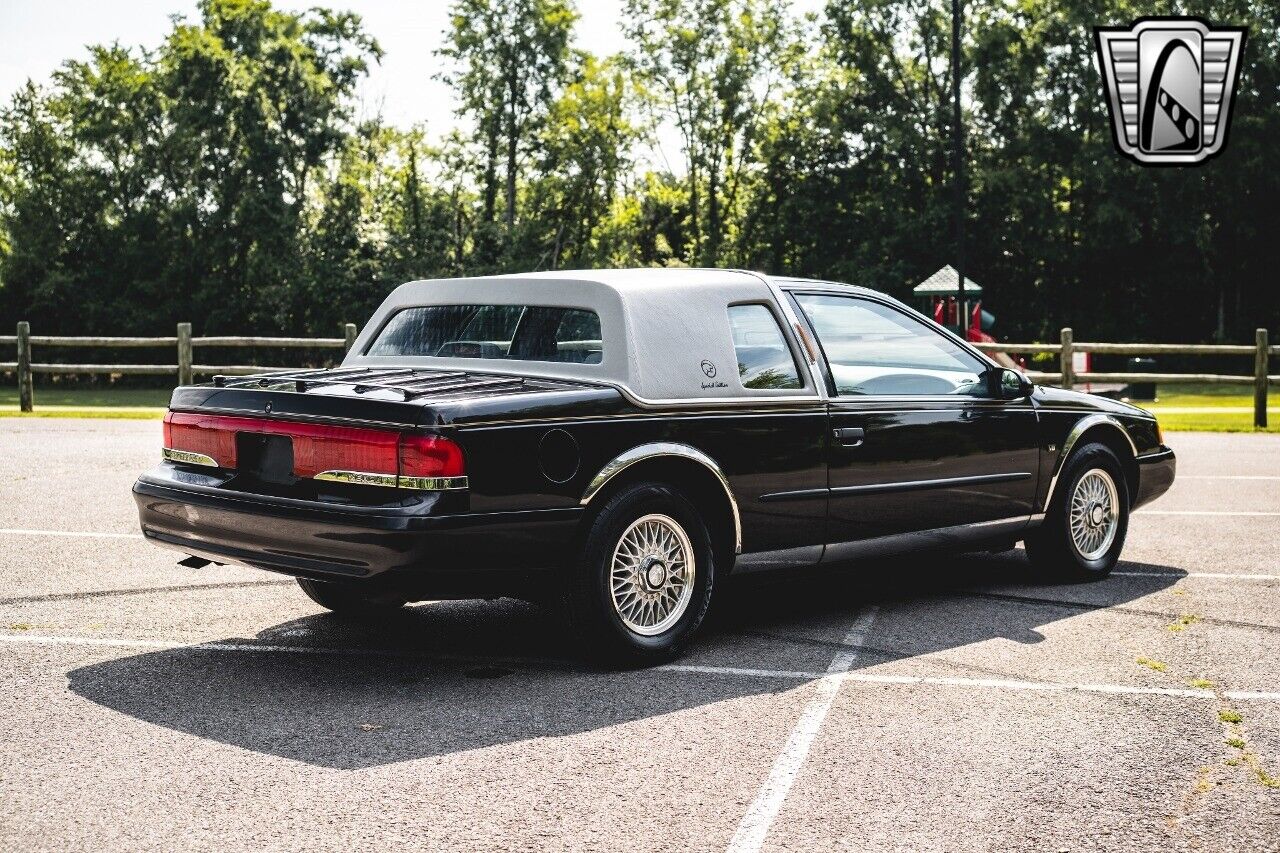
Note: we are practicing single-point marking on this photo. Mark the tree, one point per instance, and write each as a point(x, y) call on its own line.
point(219, 176)
point(141, 182)
point(585, 146)
point(510, 58)
point(259, 98)
point(713, 64)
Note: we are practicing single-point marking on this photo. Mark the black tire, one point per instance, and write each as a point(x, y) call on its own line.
point(349, 600)
point(589, 602)
point(1051, 547)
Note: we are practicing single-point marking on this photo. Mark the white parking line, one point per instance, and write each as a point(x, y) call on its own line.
point(989, 683)
point(86, 534)
point(110, 642)
point(1206, 410)
point(1226, 477)
point(740, 671)
point(828, 678)
point(1199, 512)
point(1227, 575)
point(759, 817)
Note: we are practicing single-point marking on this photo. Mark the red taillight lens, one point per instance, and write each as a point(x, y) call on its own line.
point(317, 448)
point(430, 456)
point(201, 435)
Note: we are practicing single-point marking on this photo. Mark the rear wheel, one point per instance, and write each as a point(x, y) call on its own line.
point(644, 578)
point(349, 600)
point(1084, 529)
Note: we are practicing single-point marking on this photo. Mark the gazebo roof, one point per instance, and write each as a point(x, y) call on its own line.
point(945, 282)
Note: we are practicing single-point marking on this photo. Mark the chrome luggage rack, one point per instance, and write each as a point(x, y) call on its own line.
point(408, 382)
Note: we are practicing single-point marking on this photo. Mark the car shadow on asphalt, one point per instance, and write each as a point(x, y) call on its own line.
point(447, 677)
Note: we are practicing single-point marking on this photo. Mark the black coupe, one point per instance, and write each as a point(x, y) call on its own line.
point(620, 441)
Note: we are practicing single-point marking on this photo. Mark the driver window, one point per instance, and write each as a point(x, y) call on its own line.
point(874, 349)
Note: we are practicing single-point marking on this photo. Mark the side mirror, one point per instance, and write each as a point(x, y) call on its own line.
point(1006, 384)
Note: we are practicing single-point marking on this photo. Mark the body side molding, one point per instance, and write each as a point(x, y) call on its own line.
point(657, 450)
point(1082, 426)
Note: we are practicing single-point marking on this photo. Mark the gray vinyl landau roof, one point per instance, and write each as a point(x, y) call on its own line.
point(659, 327)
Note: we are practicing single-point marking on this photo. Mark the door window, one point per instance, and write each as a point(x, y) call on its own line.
point(764, 359)
point(874, 349)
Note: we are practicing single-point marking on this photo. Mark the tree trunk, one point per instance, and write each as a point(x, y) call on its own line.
point(713, 214)
point(491, 173)
point(512, 149)
point(1222, 312)
point(694, 230)
point(510, 212)
point(415, 205)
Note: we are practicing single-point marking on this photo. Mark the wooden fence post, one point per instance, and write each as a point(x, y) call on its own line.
point(26, 389)
point(350, 332)
point(1066, 360)
point(1260, 380)
point(185, 376)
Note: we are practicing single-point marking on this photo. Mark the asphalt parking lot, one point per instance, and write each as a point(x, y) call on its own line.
point(939, 703)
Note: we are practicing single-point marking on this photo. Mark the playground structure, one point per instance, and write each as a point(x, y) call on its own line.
point(939, 297)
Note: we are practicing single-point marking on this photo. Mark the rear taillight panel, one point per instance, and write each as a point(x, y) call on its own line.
point(361, 455)
point(196, 440)
point(429, 462)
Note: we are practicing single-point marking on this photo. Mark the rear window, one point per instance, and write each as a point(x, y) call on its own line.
point(517, 332)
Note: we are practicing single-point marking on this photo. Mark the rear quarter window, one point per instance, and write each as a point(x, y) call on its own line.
point(764, 360)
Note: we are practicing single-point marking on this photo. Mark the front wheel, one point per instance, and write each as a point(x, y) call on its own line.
point(1084, 530)
point(643, 581)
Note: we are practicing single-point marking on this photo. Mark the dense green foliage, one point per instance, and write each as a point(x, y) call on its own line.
point(221, 178)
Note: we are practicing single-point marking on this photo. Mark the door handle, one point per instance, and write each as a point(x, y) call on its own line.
point(850, 436)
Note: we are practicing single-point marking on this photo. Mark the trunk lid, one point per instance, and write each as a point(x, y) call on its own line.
point(399, 397)
point(348, 435)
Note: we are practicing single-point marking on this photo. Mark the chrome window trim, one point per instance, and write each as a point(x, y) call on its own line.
point(512, 423)
point(187, 457)
point(793, 328)
point(711, 402)
point(364, 478)
point(1082, 426)
point(659, 449)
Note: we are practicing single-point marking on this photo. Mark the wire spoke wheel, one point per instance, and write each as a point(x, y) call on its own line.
point(1094, 514)
point(651, 577)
